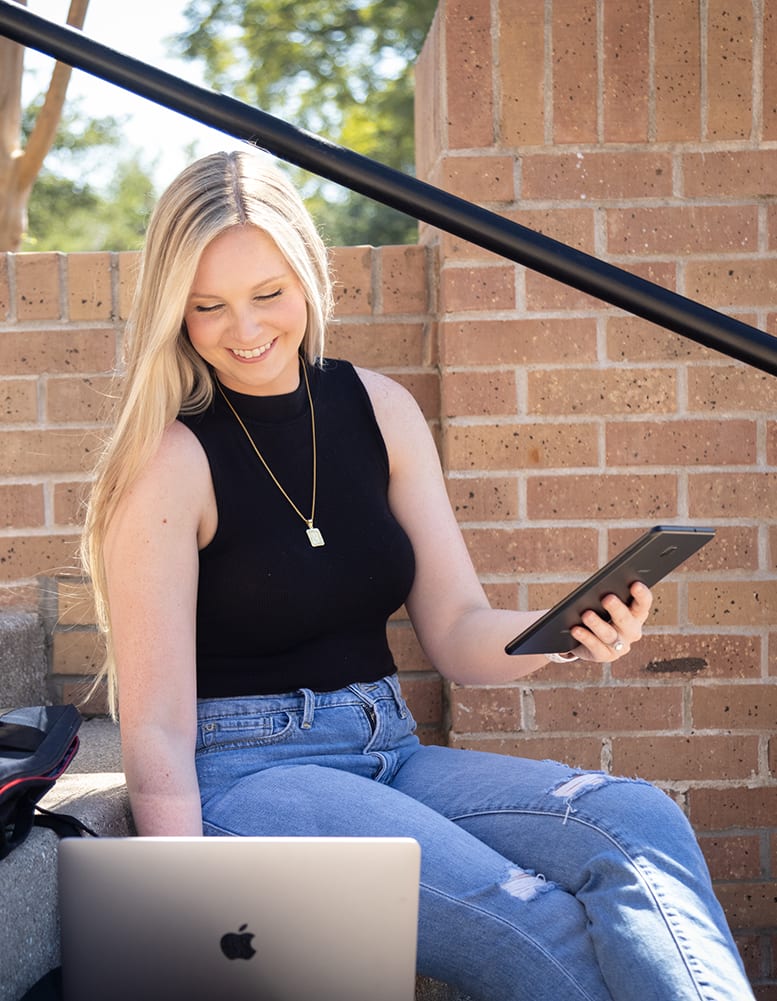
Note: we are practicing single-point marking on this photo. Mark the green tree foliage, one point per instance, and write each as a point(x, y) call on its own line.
point(343, 71)
point(71, 208)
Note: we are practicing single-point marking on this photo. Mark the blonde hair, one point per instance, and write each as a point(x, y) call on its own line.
point(164, 375)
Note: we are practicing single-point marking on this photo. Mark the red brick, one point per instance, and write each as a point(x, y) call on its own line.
point(735, 808)
point(516, 342)
point(735, 856)
point(521, 43)
point(485, 179)
point(75, 602)
point(45, 452)
point(424, 698)
point(681, 443)
point(468, 44)
point(406, 649)
point(38, 286)
point(545, 294)
point(731, 387)
point(89, 286)
point(680, 230)
point(80, 694)
point(571, 226)
point(484, 498)
point(70, 502)
point(79, 400)
point(686, 759)
point(477, 288)
point(21, 505)
point(524, 446)
point(608, 709)
point(600, 391)
point(575, 83)
point(677, 70)
point(473, 393)
point(769, 79)
point(626, 71)
point(595, 495)
point(403, 279)
point(77, 651)
point(729, 70)
point(428, 119)
point(5, 290)
point(732, 603)
point(630, 338)
point(18, 400)
point(731, 495)
point(748, 905)
point(389, 343)
point(26, 556)
point(734, 707)
point(597, 176)
point(128, 264)
point(482, 710)
point(352, 272)
point(57, 352)
point(736, 282)
point(730, 175)
point(577, 752)
point(532, 550)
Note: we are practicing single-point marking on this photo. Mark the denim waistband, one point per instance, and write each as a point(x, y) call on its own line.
point(306, 701)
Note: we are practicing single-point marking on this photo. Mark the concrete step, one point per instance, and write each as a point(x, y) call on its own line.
point(24, 674)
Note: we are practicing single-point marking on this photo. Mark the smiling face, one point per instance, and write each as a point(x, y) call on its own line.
point(246, 313)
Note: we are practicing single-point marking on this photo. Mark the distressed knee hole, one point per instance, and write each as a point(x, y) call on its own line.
point(524, 885)
point(579, 784)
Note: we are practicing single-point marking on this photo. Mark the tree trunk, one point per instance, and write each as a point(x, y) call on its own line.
point(19, 167)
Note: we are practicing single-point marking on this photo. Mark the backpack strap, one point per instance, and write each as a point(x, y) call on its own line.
point(63, 824)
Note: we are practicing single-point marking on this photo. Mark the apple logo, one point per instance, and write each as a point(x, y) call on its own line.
point(237, 945)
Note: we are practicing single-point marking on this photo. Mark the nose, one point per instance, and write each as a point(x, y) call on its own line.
point(247, 326)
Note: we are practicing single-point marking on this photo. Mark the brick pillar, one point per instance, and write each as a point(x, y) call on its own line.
point(644, 134)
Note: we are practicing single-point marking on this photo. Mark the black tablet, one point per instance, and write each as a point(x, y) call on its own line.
point(650, 558)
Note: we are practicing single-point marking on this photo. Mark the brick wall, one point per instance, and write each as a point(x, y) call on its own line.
point(645, 134)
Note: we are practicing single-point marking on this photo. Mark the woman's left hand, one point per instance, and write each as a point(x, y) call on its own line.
point(603, 641)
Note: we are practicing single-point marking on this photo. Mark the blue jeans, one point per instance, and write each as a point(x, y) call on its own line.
point(539, 882)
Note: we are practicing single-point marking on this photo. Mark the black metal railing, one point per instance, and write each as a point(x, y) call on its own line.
point(400, 191)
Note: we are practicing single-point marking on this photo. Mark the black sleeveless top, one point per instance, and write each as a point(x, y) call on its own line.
point(273, 613)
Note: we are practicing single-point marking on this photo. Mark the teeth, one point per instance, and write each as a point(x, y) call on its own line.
point(253, 353)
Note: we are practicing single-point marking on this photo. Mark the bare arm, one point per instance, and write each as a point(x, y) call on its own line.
point(152, 566)
point(459, 631)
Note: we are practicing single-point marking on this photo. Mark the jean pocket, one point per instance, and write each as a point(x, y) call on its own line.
point(234, 732)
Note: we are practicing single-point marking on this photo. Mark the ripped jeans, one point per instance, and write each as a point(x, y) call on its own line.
point(538, 882)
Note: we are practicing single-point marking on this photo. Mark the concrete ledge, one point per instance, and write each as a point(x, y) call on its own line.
point(24, 677)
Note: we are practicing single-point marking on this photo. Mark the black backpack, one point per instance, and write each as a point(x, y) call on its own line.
point(37, 744)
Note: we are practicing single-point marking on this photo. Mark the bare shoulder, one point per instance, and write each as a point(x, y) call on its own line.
point(391, 401)
point(401, 422)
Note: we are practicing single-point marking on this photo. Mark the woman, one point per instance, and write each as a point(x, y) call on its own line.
point(258, 515)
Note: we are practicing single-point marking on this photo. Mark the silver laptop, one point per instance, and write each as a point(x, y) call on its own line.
point(233, 919)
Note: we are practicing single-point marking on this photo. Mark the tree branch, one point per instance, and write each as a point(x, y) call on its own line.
point(45, 128)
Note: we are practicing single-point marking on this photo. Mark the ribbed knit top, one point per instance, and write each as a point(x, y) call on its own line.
point(273, 613)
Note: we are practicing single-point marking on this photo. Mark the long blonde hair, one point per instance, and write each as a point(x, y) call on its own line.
point(164, 375)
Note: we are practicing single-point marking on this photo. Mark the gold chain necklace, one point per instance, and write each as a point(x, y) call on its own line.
point(314, 535)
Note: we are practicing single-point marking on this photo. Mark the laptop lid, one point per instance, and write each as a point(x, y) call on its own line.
point(265, 919)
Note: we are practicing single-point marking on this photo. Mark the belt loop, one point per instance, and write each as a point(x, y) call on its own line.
point(309, 708)
point(393, 682)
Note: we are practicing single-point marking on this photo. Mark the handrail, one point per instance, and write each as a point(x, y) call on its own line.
point(400, 191)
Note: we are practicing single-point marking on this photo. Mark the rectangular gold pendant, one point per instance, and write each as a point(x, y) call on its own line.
point(315, 537)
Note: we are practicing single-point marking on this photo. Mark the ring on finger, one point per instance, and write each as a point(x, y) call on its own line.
point(617, 646)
